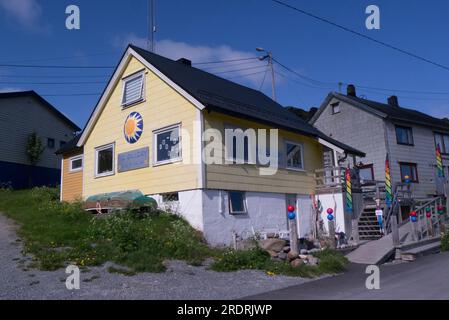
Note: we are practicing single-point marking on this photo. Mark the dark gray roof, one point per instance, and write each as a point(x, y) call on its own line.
point(398, 113)
point(33, 94)
point(70, 146)
point(228, 97)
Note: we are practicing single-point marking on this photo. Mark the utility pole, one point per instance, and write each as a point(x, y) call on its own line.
point(151, 26)
point(269, 56)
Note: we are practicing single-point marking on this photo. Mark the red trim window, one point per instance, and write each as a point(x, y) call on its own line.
point(409, 169)
point(366, 172)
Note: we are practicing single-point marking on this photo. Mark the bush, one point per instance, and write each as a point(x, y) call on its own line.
point(445, 242)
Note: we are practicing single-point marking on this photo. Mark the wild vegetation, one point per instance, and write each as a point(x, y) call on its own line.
point(57, 234)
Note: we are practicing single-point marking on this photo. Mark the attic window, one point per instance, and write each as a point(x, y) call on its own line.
point(133, 89)
point(336, 108)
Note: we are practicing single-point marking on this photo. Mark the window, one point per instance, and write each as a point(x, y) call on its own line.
point(51, 143)
point(295, 158)
point(104, 161)
point(167, 145)
point(443, 141)
point(366, 172)
point(170, 197)
point(133, 89)
point(404, 135)
point(76, 164)
point(62, 144)
point(336, 108)
point(240, 136)
point(237, 202)
point(410, 170)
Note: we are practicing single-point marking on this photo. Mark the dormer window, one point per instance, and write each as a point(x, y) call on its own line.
point(133, 89)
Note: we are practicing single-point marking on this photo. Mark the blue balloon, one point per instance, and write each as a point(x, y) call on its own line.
point(414, 219)
point(330, 217)
point(291, 215)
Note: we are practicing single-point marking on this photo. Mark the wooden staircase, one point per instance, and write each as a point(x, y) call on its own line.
point(368, 225)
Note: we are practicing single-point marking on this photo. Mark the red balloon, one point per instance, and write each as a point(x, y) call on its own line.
point(429, 215)
point(440, 208)
point(330, 211)
point(291, 208)
point(413, 214)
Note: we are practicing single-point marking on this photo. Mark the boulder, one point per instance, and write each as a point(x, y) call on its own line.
point(292, 255)
point(272, 253)
point(286, 249)
point(302, 256)
point(313, 261)
point(303, 251)
point(282, 255)
point(297, 263)
point(273, 244)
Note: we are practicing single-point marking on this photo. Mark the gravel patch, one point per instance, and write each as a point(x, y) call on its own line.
point(179, 282)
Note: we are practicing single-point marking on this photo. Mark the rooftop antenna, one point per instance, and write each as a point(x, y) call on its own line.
point(151, 25)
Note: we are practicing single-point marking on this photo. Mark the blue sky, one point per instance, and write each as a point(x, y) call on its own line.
point(33, 32)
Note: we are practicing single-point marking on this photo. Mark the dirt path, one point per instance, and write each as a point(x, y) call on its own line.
point(180, 281)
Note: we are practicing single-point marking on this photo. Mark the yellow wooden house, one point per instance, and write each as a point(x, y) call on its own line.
point(147, 133)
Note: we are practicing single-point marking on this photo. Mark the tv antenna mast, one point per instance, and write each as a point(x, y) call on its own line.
point(151, 25)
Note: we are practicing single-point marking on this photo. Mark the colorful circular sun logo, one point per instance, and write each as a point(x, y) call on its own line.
point(133, 127)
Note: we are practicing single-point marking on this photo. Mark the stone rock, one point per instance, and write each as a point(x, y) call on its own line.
point(297, 263)
point(286, 249)
point(302, 256)
point(315, 250)
point(273, 244)
point(303, 251)
point(292, 255)
point(272, 253)
point(282, 255)
point(313, 261)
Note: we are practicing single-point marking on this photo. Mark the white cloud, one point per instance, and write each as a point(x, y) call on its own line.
point(26, 12)
point(201, 53)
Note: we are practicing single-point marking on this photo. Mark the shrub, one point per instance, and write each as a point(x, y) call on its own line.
point(445, 242)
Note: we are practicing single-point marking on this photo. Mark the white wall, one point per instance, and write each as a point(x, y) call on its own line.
point(334, 201)
point(265, 211)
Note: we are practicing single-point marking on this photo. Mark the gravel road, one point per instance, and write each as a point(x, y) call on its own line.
point(180, 281)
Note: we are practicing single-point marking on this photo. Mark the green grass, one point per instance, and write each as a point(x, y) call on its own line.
point(59, 233)
point(445, 242)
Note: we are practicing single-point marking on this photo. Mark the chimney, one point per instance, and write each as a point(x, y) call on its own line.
point(351, 91)
point(393, 101)
point(185, 62)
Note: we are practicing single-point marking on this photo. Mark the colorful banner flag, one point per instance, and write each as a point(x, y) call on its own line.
point(440, 167)
point(388, 190)
point(349, 203)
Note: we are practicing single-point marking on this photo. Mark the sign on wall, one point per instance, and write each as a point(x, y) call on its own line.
point(133, 127)
point(136, 159)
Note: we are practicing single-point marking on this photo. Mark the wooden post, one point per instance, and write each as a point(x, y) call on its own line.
point(395, 235)
point(355, 231)
point(429, 228)
point(332, 234)
point(293, 235)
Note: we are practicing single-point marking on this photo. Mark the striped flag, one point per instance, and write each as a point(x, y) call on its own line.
point(439, 163)
point(349, 204)
point(388, 190)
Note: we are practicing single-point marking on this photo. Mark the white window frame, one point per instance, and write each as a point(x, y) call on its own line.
point(336, 106)
point(299, 144)
point(97, 150)
point(75, 158)
point(245, 204)
point(133, 76)
point(164, 130)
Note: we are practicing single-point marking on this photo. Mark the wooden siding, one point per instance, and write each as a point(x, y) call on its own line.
point(163, 107)
point(248, 178)
point(21, 116)
point(72, 182)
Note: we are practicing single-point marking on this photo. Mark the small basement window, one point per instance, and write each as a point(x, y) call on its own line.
point(237, 203)
point(133, 89)
point(104, 159)
point(76, 164)
point(170, 197)
point(167, 145)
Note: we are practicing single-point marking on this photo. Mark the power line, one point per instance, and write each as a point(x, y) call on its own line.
point(224, 61)
point(238, 70)
point(71, 95)
point(246, 75)
point(52, 83)
point(53, 66)
point(313, 81)
point(51, 76)
point(245, 63)
point(387, 45)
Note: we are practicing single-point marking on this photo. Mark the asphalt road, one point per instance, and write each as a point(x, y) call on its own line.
point(426, 278)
